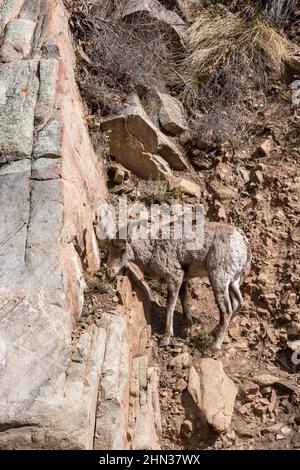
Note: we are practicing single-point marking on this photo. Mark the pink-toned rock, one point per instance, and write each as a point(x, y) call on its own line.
point(51, 186)
point(140, 146)
point(213, 392)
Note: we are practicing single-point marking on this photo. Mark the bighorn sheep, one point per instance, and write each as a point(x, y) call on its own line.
point(223, 256)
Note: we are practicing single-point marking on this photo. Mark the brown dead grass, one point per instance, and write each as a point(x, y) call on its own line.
point(222, 49)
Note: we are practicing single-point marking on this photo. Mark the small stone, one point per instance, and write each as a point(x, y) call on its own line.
point(185, 186)
point(264, 149)
point(244, 429)
point(231, 435)
point(274, 428)
point(186, 429)
point(181, 360)
point(250, 388)
point(285, 430)
point(19, 34)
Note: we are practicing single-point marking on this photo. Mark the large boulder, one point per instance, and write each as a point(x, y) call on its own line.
point(139, 145)
point(213, 392)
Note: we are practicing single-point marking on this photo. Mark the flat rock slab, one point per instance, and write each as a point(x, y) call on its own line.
point(213, 392)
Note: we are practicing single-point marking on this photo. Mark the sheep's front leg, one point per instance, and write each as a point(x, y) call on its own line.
point(173, 291)
point(183, 294)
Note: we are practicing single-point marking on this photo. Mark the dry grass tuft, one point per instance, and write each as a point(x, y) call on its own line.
point(222, 48)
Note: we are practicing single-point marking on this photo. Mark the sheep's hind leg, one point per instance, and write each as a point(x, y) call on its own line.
point(173, 291)
point(183, 294)
point(235, 296)
point(221, 291)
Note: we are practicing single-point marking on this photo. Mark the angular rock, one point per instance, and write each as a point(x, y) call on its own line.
point(295, 235)
point(136, 143)
point(264, 149)
point(75, 393)
point(119, 173)
point(14, 186)
point(9, 54)
point(155, 10)
point(110, 431)
point(148, 424)
point(128, 392)
point(46, 169)
point(181, 360)
point(294, 63)
point(296, 92)
point(222, 191)
point(129, 151)
point(213, 392)
point(19, 34)
point(171, 114)
point(185, 186)
point(269, 379)
point(48, 140)
point(49, 385)
point(30, 10)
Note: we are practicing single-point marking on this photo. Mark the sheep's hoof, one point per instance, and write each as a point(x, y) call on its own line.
point(164, 343)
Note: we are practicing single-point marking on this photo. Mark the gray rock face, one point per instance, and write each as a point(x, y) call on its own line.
point(44, 203)
point(19, 35)
point(18, 94)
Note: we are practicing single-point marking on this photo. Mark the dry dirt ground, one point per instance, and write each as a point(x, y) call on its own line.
point(254, 183)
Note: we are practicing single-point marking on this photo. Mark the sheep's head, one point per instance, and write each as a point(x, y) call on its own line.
point(119, 247)
point(119, 252)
